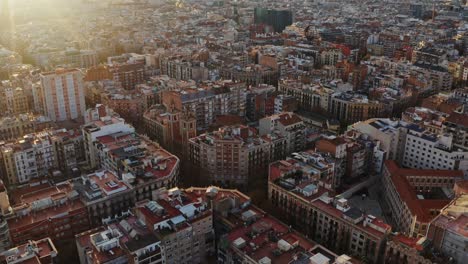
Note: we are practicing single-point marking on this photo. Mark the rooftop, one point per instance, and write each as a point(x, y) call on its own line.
point(458, 119)
point(368, 224)
point(60, 71)
point(265, 237)
point(408, 241)
point(287, 119)
point(41, 190)
point(174, 210)
point(116, 238)
point(307, 174)
point(142, 159)
point(419, 207)
point(41, 201)
point(102, 122)
point(100, 185)
point(454, 217)
point(31, 252)
point(32, 220)
point(244, 135)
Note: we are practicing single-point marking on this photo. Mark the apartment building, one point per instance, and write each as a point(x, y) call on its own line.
point(5, 210)
point(278, 243)
point(78, 58)
point(41, 251)
point(425, 150)
point(429, 119)
point(27, 158)
point(181, 226)
point(402, 249)
point(447, 231)
point(444, 102)
point(332, 222)
point(40, 210)
point(309, 97)
point(12, 127)
point(233, 154)
point(172, 129)
point(129, 104)
point(314, 166)
point(285, 103)
point(288, 125)
point(336, 147)
point(351, 108)
point(95, 113)
point(122, 240)
point(252, 74)
point(98, 73)
point(457, 125)
point(439, 76)
point(260, 102)
point(365, 153)
point(138, 161)
point(208, 101)
point(416, 196)
point(183, 221)
point(330, 56)
point(127, 74)
point(104, 195)
point(63, 94)
point(103, 124)
point(429, 55)
point(180, 69)
point(14, 100)
point(358, 160)
point(150, 93)
point(68, 149)
point(391, 135)
point(37, 154)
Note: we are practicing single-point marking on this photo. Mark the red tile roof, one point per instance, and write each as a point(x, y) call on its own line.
point(265, 247)
point(420, 208)
point(408, 241)
point(28, 221)
point(288, 119)
point(46, 248)
point(459, 119)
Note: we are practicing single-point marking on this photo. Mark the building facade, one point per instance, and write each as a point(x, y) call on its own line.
point(288, 125)
point(331, 222)
point(408, 195)
point(447, 232)
point(46, 210)
point(425, 150)
point(171, 129)
point(233, 154)
point(63, 94)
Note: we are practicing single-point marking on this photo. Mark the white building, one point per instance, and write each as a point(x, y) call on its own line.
point(391, 134)
point(429, 151)
point(105, 125)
